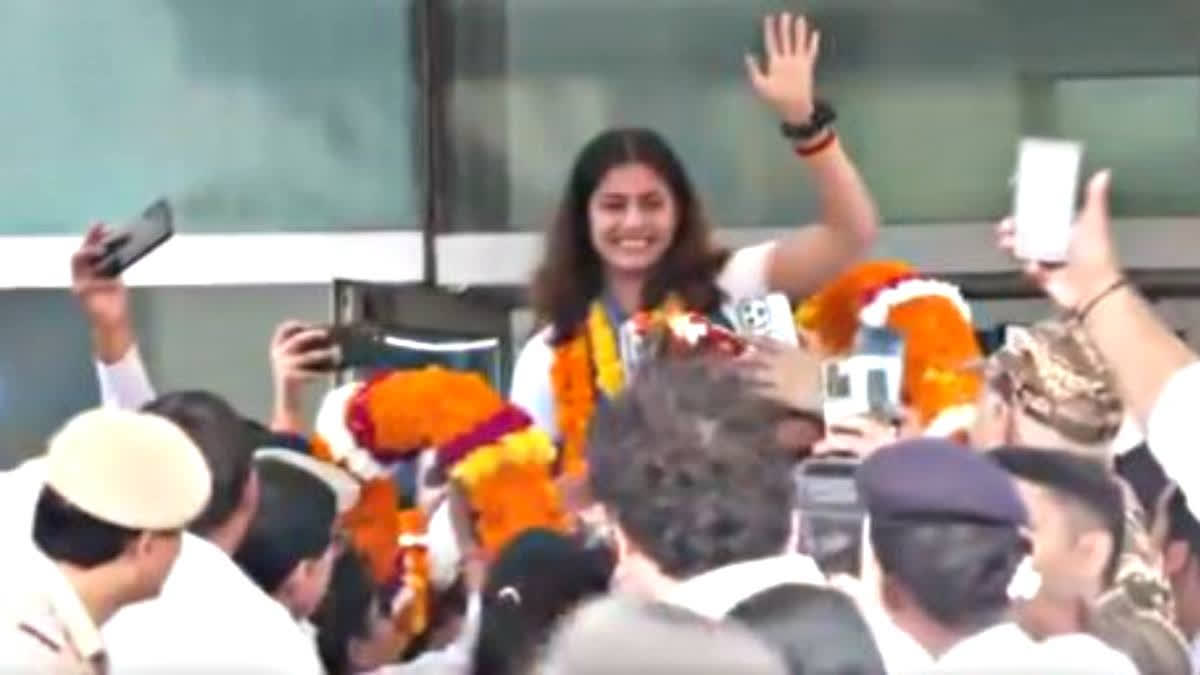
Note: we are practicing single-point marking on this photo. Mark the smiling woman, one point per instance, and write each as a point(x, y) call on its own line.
point(631, 235)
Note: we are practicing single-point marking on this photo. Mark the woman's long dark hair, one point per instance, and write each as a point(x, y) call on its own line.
point(571, 274)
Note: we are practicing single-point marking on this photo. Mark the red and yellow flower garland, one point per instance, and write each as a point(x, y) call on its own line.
point(584, 365)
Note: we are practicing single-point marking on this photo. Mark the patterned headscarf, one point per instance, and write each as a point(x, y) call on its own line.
point(1053, 373)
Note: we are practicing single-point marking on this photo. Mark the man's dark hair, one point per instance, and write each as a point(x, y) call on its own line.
point(958, 572)
point(294, 522)
point(1092, 496)
point(66, 534)
point(688, 461)
point(225, 439)
point(345, 612)
point(817, 630)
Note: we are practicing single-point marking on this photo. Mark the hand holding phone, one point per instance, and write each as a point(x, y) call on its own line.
point(1044, 201)
point(867, 383)
point(124, 247)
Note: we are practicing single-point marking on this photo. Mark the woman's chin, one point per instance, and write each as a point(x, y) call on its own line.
point(631, 264)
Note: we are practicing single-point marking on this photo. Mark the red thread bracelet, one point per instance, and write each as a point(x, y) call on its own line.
point(820, 147)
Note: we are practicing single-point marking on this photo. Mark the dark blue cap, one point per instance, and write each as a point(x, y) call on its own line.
point(935, 479)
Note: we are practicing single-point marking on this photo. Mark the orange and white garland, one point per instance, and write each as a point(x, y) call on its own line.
point(485, 445)
point(933, 318)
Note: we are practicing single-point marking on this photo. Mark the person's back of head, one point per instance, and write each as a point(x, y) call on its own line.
point(688, 461)
point(536, 580)
point(957, 573)
point(1050, 386)
point(617, 634)
point(818, 630)
point(1081, 489)
point(946, 530)
point(288, 549)
point(227, 442)
point(354, 631)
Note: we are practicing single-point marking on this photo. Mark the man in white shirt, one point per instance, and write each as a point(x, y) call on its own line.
point(946, 529)
point(688, 462)
point(207, 594)
point(206, 597)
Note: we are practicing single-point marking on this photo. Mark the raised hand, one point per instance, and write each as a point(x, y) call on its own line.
point(1091, 264)
point(104, 300)
point(785, 81)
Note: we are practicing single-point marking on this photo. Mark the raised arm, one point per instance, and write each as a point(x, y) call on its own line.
point(806, 259)
point(105, 303)
point(1157, 374)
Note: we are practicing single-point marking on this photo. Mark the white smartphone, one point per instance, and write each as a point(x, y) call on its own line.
point(867, 383)
point(769, 316)
point(1044, 200)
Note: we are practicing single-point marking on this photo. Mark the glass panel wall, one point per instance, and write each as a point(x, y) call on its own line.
point(251, 116)
point(933, 96)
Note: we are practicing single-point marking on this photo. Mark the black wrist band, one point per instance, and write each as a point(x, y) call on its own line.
point(823, 116)
point(1088, 306)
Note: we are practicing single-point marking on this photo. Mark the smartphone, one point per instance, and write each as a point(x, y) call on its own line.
point(136, 240)
point(867, 383)
point(769, 316)
point(831, 513)
point(1044, 201)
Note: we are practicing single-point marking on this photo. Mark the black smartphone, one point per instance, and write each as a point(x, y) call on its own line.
point(831, 513)
point(136, 240)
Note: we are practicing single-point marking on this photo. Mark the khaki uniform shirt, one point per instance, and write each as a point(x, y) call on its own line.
point(47, 629)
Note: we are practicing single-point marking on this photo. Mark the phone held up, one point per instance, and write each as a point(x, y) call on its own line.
point(136, 240)
point(831, 513)
point(1044, 199)
point(866, 383)
point(769, 316)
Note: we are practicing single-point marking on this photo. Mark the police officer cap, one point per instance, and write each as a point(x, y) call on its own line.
point(937, 479)
point(131, 469)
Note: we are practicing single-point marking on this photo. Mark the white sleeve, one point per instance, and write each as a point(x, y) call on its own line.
point(745, 273)
point(125, 384)
point(1169, 433)
point(531, 388)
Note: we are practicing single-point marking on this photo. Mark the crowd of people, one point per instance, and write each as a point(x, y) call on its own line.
point(1023, 511)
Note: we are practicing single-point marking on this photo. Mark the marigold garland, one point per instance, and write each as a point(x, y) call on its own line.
point(402, 412)
point(939, 342)
point(574, 401)
point(391, 542)
point(610, 371)
point(584, 365)
point(507, 480)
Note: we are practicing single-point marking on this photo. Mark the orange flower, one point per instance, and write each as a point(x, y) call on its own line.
point(372, 527)
point(938, 340)
point(513, 499)
point(574, 400)
point(832, 314)
point(409, 410)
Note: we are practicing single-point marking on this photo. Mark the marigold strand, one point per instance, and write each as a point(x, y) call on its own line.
point(610, 372)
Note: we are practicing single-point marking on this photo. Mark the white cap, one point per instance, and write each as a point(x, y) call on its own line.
point(345, 488)
point(135, 470)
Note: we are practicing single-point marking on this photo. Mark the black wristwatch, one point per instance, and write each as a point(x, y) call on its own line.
point(823, 116)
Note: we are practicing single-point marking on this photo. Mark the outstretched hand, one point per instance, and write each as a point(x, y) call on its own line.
point(1091, 264)
point(785, 80)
